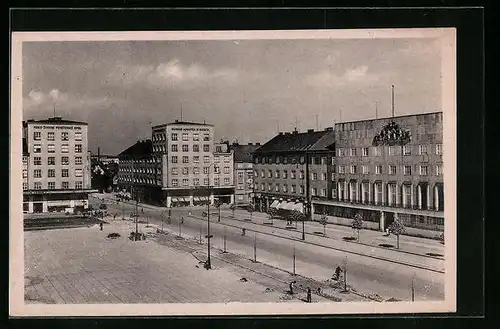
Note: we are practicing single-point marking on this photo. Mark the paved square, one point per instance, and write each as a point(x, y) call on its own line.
point(84, 266)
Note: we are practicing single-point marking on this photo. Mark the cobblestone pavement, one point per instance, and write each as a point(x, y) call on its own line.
point(83, 266)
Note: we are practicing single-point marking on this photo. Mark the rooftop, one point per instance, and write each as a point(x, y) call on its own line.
point(389, 118)
point(141, 149)
point(295, 141)
point(242, 152)
point(186, 123)
point(55, 121)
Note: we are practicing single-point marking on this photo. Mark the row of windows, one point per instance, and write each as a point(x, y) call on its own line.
point(51, 161)
point(51, 135)
point(196, 181)
point(423, 170)
point(52, 185)
point(392, 150)
point(51, 148)
point(51, 173)
point(196, 159)
point(196, 170)
point(185, 137)
point(284, 188)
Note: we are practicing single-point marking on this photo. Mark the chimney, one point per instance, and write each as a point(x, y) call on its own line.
point(295, 132)
point(280, 133)
point(257, 144)
point(176, 121)
point(310, 130)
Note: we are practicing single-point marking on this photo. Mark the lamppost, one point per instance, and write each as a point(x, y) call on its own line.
point(304, 220)
point(208, 264)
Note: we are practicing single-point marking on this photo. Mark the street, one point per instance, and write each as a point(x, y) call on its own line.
point(366, 274)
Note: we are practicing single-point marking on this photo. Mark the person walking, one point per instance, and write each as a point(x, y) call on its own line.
point(309, 295)
point(100, 225)
point(338, 271)
point(292, 285)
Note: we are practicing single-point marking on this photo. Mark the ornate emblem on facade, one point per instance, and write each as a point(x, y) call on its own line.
point(392, 134)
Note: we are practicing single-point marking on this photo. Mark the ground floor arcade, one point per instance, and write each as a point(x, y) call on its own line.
point(63, 201)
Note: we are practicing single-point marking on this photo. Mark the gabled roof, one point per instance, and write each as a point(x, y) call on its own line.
point(140, 150)
point(57, 121)
point(299, 142)
point(243, 153)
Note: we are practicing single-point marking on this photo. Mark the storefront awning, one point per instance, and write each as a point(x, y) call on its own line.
point(175, 200)
point(196, 198)
point(299, 207)
point(287, 205)
point(203, 198)
point(274, 204)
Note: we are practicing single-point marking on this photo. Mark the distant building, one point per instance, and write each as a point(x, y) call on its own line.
point(56, 166)
point(180, 166)
point(282, 167)
point(386, 167)
point(243, 172)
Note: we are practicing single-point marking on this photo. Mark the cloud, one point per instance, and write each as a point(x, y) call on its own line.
point(172, 74)
point(357, 75)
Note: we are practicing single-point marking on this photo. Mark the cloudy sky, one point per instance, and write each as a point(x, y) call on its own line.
point(244, 87)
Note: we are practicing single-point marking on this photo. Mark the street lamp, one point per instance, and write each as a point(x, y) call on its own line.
point(208, 264)
point(304, 220)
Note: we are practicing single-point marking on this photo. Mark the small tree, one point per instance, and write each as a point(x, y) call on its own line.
point(233, 208)
point(357, 224)
point(251, 209)
point(397, 228)
point(323, 221)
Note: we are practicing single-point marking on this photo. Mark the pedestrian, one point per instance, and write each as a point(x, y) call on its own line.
point(291, 288)
point(100, 224)
point(338, 270)
point(308, 294)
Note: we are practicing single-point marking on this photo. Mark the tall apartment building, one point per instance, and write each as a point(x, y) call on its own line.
point(282, 167)
point(388, 166)
point(56, 166)
point(184, 167)
point(243, 172)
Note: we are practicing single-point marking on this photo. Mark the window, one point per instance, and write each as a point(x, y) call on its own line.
point(294, 160)
point(78, 148)
point(392, 150)
point(277, 174)
point(269, 174)
point(216, 181)
point(293, 174)
point(196, 136)
point(316, 160)
point(37, 148)
point(226, 159)
point(439, 149)
point(378, 169)
point(206, 159)
point(78, 160)
point(78, 172)
point(78, 185)
point(51, 173)
point(392, 194)
point(302, 159)
point(240, 177)
point(341, 169)
point(340, 153)
point(78, 136)
point(51, 136)
point(196, 159)
point(407, 195)
point(407, 150)
point(392, 170)
point(285, 160)
point(175, 171)
point(439, 169)
point(196, 171)
point(323, 192)
point(256, 159)
point(206, 181)
point(185, 182)
point(51, 161)
point(422, 149)
point(37, 135)
point(314, 176)
point(323, 176)
point(277, 188)
point(378, 151)
point(353, 152)
point(285, 174)
point(294, 189)
point(25, 186)
point(64, 173)
point(314, 191)
point(196, 148)
point(38, 186)
point(269, 187)
point(365, 170)
point(185, 159)
point(174, 159)
point(205, 170)
point(175, 182)
point(301, 174)
point(185, 137)
point(65, 185)
point(174, 147)
point(64, 148)
point(334, 193)
point(206, 148)
point(278, 160)
point(365, 151)
point(196, 181)
point(285, 188)
point(301, 189)
point(37, 173)
point(185, 171)
point(407, 170)
point(206, 137)
point(25, 173)
point(216, 159)
point(64, 136)
point(174, 137)
point(354, 169)
point(226, 170)
point(423, 170)
point(52, 185)
point(226, 181)
point(217, 169)
point(185, 148)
